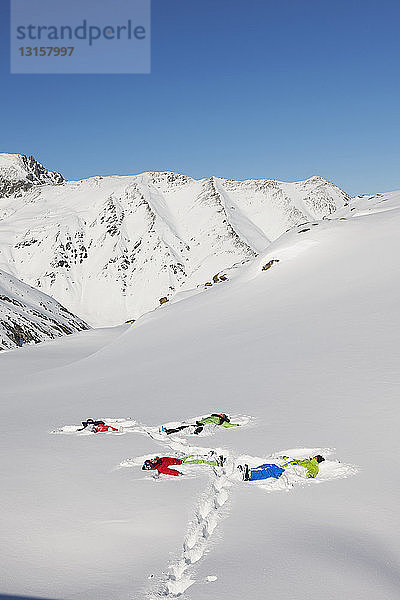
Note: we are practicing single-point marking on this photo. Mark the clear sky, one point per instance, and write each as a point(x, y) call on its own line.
point(281, 89)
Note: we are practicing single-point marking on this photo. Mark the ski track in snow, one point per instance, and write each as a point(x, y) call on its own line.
point(208, 512)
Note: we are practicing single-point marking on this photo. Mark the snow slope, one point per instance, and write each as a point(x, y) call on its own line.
point(308, 348)
point(108, 248)
point(30, 315)
point(367, 204)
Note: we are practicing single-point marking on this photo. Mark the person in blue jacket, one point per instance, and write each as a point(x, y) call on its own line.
point(265, 471)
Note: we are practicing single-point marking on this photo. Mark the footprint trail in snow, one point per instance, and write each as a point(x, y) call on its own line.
point(207, 514)
point(197, 540)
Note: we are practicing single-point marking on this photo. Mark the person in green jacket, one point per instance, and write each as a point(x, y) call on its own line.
point(216, 419)
point(310, 464)
point(265, 471)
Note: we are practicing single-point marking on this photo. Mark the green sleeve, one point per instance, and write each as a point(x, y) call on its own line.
point(310, 465)
point(312, 469)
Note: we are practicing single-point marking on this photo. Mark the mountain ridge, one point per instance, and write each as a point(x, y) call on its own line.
point(108, 248)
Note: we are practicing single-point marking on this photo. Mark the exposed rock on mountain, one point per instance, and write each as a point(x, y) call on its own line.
point(18, 174)
point(109, 248)
point(27, 315)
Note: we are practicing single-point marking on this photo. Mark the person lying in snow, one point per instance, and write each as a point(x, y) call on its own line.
point(271, 470)
point(217, 419)
point(96, 426)
point(162, 464)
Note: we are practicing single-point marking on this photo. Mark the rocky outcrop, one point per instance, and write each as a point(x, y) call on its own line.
point(29, 316)
point(269, 264)
point(19, 173)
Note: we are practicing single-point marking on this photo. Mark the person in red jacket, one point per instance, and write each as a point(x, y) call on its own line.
point(162, 464)
point(96, 426)
point(103, 428)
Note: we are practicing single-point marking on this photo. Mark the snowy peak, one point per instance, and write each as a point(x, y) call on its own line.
point(109, 248)
point(166, 180)
point(18, 173)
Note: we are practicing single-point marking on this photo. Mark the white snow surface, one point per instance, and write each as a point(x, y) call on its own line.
point(108, 248)
point(31, 315)
point(309, 349)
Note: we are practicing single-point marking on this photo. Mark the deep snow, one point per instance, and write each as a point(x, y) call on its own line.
point(309, 348)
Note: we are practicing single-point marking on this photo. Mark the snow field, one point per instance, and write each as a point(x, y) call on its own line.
point(310, 347)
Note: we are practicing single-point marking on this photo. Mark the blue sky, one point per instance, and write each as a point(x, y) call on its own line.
point(284, 90)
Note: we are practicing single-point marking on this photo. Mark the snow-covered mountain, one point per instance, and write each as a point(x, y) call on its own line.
point(28, 315)
point(18, 173)
point(308, 349)
point(108, 248)
point(366, 204)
